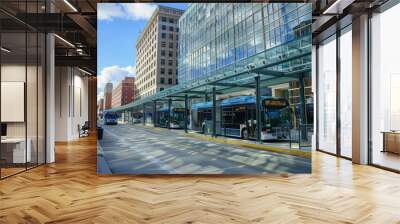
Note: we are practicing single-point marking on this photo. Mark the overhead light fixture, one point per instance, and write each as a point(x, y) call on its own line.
point(337, 7)
point(84, 71)
point(64, 40)
point(70, 5)
point(5, 50)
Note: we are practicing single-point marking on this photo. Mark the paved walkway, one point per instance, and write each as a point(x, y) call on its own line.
point(139, 150)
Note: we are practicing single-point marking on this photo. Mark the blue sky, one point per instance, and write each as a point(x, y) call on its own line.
point(118, 27)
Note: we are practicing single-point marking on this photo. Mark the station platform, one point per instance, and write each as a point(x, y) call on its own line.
point(138, 149)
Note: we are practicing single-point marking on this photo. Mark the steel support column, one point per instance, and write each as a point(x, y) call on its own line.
point(169, 113)
point(303, 118)
point(144, 114)
point(185, 114)
point(154, 112)
point(258, 109)
point(214, 112)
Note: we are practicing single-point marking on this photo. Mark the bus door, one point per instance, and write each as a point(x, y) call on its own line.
point(239, 121)
point(251, 121)
point(227, 116)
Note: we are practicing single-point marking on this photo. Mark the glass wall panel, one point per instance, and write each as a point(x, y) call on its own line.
point(327, 95)
point(346, 93)
point(385, 89)
point(22, 91)
point(31, 97)
point(14, 153)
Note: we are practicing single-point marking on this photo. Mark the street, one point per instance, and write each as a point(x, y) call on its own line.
point(145, 150)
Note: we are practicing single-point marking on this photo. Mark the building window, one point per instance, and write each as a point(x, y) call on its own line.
point(169, 71)
point(162, 80)
point(163, 27)
point(163, 35)
point(170, 54)
point(163, 44)
point(162, 61)
point(169, 81)
point(176, 81)
point(163, 19)
point(177, 29)
point(171, 36)
point(171, 28)
point(171, 20)
point(171, 45)
point(162, 53)
point(161, 89)
point(162, 70)
point(327, 98)
point(170, 62)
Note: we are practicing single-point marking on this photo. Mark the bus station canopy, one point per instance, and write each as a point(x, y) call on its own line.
point(280, 64)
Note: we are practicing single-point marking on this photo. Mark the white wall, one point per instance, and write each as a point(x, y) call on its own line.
point(71, 94)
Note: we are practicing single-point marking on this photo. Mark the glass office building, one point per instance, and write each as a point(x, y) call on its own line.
point(216, 36)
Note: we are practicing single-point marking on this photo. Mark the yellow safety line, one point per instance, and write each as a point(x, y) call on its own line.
point(293, 152)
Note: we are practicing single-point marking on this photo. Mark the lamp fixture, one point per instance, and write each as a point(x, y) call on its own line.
point(70, 5)
point(64, 40)
point(5, 50)
point(84, 71)
point(337, 7)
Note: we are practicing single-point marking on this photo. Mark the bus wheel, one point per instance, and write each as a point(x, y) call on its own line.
point(245, 134)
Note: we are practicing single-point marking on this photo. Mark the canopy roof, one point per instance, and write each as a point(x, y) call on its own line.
point(280, 64)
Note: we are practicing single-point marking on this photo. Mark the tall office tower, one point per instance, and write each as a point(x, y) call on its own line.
point(157, 50)
point(218, 38)
point(108, 95)
point(123, 93)
point(100, 106)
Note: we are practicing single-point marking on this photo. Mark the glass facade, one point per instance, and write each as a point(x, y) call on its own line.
point(22, 77)
point(216, 36)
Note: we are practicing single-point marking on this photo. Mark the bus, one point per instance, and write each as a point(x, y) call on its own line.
point(177, 117)
point(238, 117)
point(110, 118)
point(201, 114)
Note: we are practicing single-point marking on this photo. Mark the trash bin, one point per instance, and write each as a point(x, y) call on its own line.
point(99, 133)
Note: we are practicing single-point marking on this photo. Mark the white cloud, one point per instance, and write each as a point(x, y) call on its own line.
point(113, 74)
point(131, 11)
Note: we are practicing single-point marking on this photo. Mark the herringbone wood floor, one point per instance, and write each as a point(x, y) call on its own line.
point(70, 191)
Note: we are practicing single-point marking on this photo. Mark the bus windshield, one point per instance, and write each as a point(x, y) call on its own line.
point(178, 115)
point(277, 113)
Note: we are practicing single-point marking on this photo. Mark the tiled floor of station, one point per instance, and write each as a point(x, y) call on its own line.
point(138, 150)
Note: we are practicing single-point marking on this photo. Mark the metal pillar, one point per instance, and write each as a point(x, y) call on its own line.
point(144, 114)
point(185, 114)
point(258, 109)
point(214, 112)
point(169, 113)
point(154, 113)
point(303, 119)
